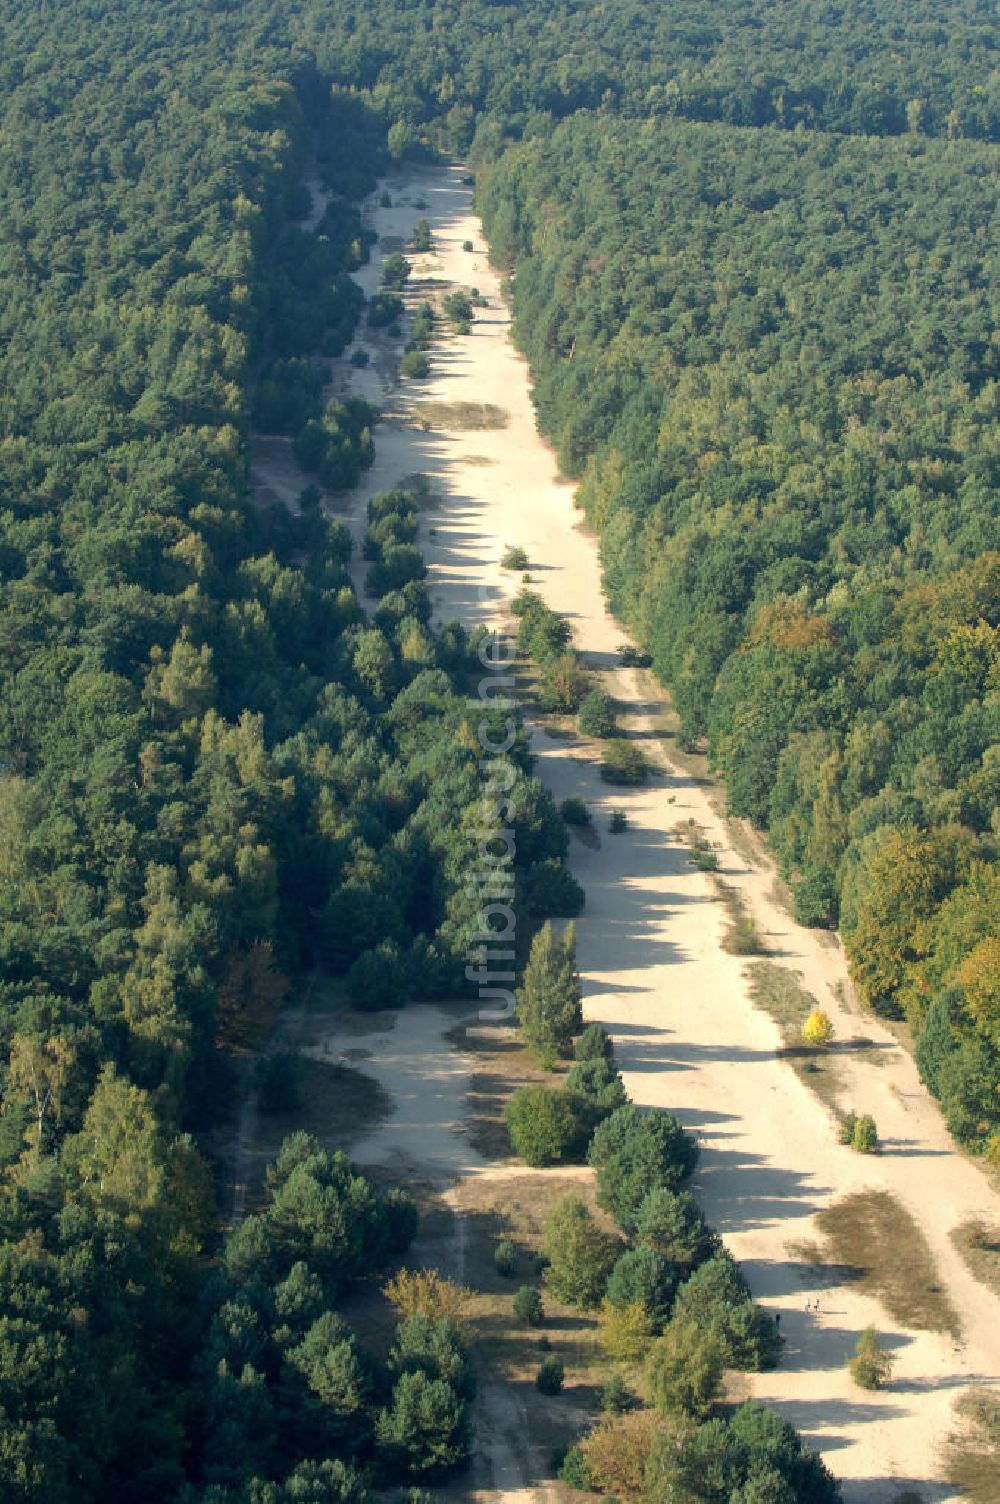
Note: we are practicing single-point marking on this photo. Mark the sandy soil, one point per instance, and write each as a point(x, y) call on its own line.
point(427, 1080)
point(688, 1035)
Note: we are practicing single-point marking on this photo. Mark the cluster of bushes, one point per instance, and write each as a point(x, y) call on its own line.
point(859, 1132)
point(566, 686)
point(385, 309)
point(415, 362)
point(673, 1301)
point(389, 542)
point(514, 557)
point(668, 1292)
point(457, 309)
point(553, 1125)
point(338, 445)
point(649, 1456)
point(281, 1381)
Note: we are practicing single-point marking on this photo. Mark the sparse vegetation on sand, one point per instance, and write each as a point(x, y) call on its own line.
point(872, 1239)
point(979, 1245)
point(467, 416)
point(972, 1454)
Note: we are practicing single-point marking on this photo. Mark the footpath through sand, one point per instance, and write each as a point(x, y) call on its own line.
point(654, 972)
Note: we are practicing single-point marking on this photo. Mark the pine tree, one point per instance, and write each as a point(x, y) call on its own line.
point(550, 995)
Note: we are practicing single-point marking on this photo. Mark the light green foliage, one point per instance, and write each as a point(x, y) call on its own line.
point(871, 1365)
point(623, 762)
point(716, 1298)
point(528, 1306)
point(544, 1126)
point(505, 1258)
point(580, 1255)
point(860, 1132)
point(597, 714)
point(684, 1369)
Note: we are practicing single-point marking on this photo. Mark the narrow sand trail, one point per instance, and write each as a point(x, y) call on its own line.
point(688, 1035)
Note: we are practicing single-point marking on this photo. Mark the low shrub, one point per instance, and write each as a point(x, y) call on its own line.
point(623, 762)
point(575, 812)
point(817, 1029)
point(384, 308)
point(634, 657)
point(871, 1366)
point(528, 1306)
point(597, 714)
point(514, 558)
point(543, 1126)
point(618, 822)
point(744, 939)
point(864, 1139)
point(550, 1376)
point(415, 365)
point(505, 1258)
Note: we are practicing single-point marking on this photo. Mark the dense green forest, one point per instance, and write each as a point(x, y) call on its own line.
point(772, 360)
point(215, 771)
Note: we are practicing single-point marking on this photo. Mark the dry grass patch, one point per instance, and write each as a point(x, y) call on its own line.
point(780, 994)
point(741, 937)
point(466, 416)
point(876, 1242)
point(972, 1454)
point(516, 1207)
point(979, 1245)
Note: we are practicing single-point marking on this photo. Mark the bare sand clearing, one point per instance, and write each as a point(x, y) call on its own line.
point(687, 1033)
point(427, 1080)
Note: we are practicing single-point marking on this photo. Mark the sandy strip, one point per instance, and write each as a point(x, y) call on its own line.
point(688, 1035)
